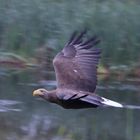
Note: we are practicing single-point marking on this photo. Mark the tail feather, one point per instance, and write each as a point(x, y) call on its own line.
point(104, 102)
point(101, 101)
point(108, 102)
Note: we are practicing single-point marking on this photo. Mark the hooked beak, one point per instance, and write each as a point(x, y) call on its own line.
point(37, 93)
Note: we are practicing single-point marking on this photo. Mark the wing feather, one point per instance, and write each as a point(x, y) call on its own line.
point(76, 64)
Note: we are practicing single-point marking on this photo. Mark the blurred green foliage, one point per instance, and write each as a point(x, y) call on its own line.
point(26, 25)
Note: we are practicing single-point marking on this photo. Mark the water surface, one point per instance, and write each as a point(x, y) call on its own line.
point(25, 117)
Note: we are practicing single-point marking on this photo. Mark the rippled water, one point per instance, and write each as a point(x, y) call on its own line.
point(25, 117)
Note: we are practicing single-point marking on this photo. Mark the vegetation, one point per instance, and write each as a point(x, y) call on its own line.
point(27, 25)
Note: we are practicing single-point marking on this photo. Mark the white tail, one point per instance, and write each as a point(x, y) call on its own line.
point(111, 103)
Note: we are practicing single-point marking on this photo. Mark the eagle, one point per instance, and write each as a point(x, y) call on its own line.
point(76, 75)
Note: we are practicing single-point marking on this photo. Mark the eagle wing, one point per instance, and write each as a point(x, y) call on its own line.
point(76, 65)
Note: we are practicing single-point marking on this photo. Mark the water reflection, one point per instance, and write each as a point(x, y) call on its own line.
point(29, 118)
point(9, 105)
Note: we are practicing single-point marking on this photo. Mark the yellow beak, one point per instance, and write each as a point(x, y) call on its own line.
point(37, 92)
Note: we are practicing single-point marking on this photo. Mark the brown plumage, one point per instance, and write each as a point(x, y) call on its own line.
point(76, 75)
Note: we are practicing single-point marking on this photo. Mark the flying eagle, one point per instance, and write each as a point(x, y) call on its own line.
point(76, 74)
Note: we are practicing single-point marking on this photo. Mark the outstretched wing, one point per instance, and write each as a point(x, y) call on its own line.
point(76, 65)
